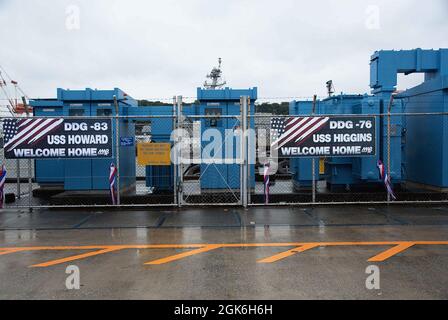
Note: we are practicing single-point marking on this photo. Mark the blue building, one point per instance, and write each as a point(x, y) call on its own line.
point(419, 143)
point(88, 174)
point(224, 102)
point(161, 121)
point(426, 136)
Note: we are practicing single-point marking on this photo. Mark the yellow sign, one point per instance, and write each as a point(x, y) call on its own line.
point(322, 166)
point(154, 154)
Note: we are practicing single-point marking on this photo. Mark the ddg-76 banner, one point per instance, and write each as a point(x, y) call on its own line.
point(57, 138)
point(296, 137)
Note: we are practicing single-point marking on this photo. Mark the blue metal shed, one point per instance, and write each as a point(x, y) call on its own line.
point(161, 120)
point(224, 102)
point(88, 174)
point(426, 136)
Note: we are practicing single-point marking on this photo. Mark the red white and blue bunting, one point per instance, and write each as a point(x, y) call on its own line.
point(112, 183)
point(2, 186)
point(386, 179)
point(267, 183)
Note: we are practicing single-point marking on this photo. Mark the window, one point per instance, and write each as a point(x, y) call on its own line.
point(104, 112)
point(213, 122)
point(76, 112)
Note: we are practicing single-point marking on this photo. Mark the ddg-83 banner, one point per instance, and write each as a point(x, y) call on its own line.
point(57, 138)
point(296, 137)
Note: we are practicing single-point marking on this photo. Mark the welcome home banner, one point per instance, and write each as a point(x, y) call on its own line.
point(57, 138)
point(296, 137)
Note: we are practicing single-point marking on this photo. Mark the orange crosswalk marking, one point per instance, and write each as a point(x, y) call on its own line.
point(298, 247)
point(288, 253)
point(391, 252)
point(77, 257)
point(183, 255)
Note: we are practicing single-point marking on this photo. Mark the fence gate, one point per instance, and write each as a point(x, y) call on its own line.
point(211, 153)
point(209, 174)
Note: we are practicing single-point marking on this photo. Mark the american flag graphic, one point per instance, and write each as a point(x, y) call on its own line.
point(295, 130)
point(26, 132)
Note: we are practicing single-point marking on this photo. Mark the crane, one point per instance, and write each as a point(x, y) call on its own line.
point(14, 108)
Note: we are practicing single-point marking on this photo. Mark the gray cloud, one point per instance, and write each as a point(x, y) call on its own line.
point(162, 48)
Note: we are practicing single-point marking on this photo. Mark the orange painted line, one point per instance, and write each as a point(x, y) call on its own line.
point(391, 252)
point(327, 244)
point(399, 246)
point(251, 245)
point(148, 246)
point(8, 251)
point(77, 257)
point(60, 248)
point(183, 255)
point(223, 245)
point(430, 242)
point(288, 253)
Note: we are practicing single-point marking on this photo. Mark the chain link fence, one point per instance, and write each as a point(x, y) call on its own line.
point(410, 146)
point(210, 176)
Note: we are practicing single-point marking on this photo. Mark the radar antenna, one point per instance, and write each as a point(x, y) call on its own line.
point(330, 88)
point(216, 78)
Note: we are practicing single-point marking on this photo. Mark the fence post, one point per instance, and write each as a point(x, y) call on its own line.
point(18, 178)
point(249, 157)
point(117, 147)
point(389, 108)
point(30, 184)
point(313, 163)
point(241, 151)
point(313, 168)
point(180, 186)
point(244, 177)
point(30, 179)
point(175, 189)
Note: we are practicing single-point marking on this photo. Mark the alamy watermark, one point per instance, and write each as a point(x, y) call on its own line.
point(223, 147)
point(73, 281)
point(72, 18)
point(373, 21)
point(373, 280)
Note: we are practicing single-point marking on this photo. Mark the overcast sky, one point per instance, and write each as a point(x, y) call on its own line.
point(163, 48)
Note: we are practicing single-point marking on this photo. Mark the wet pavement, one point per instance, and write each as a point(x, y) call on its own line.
point(136, 254)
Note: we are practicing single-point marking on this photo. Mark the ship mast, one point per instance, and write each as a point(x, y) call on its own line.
point(216, 78)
